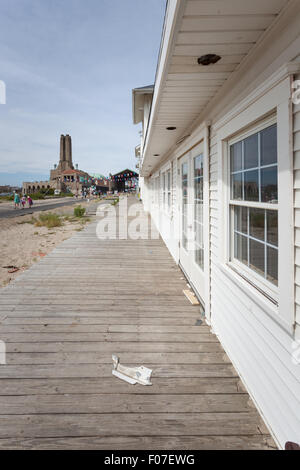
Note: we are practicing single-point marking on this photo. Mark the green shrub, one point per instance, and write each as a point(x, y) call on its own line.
point(35, 196)
point(49, 220)
point(64, 195)
point(79, 211)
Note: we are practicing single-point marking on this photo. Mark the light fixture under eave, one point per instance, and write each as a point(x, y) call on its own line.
point(156, 155)
point(208, 59)
point(182, 139)
point(171, 128)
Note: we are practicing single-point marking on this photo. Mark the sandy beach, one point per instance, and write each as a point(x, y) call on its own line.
point(22, 243)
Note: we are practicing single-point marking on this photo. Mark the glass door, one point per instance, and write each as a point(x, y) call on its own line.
point(185, 222)
point(192, 228)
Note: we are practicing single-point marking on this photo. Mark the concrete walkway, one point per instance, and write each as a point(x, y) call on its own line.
point(64, 318)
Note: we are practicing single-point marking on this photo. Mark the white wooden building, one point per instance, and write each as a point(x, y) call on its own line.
point(220, 175)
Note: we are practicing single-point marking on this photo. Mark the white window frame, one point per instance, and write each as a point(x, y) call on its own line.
point(262, 284)
point(169, 190)
point(165, 190)
point(156, 189)
point(276, 100)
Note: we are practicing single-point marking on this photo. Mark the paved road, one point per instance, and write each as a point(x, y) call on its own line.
point(9, 211)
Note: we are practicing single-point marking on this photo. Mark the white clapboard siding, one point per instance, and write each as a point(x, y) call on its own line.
point(213, 199)
point(259, 348)
point(296, 140)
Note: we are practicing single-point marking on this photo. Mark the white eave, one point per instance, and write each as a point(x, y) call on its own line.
point(138, 96)
point(137, 151)
point(183, 88)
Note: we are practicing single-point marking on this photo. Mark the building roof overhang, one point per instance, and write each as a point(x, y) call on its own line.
point(138, 96)
point(184, 89)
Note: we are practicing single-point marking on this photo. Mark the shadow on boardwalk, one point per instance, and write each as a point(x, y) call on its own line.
point(62, 320)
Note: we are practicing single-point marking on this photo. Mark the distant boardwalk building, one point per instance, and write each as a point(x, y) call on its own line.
point(126, 180)
point(64, 176)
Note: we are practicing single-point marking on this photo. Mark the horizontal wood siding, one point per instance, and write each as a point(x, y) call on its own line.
point(296, 140)
point(260, 349)
point(213, 201)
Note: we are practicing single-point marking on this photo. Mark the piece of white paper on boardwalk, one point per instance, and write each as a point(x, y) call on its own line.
point(131, 375)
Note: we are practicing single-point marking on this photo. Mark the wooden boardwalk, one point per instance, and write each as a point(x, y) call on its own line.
point(63, 319)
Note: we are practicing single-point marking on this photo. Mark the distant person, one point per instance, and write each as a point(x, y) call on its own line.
point(30, 202)
point(16, 200)
point(23, 201)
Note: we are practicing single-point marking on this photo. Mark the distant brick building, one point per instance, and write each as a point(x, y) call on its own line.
point(64, 176)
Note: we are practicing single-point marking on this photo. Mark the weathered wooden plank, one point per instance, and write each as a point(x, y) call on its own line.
point(132, 424)
point(76, 327)
point(124, 403)
point(113, 337)
point(234, 442)
point(113, 347)
point(103, 320)
point(98, 310)
point(140, 358)
point(104, 370)
point(108, 385)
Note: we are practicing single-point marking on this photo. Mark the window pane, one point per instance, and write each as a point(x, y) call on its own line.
point(236, 156)
point(251, 185)
point(237, 186)
point(272, 227)
point(184, 187)
point(199, 189)
point(257, 223)
point(269, 184)
point(251, 152)
point(257, 256)
point(240, 248)
point(199, 257)
point(269, 146)
point(198, 166)
point(199, 211)
point(240, 219)
point(198, 233)
point(272, 265)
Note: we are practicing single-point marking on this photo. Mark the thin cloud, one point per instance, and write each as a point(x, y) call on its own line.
point(69, 68)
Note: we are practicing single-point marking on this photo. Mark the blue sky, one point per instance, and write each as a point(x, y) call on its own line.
point(69, 67)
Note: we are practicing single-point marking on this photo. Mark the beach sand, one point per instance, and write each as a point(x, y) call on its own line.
point(22, 244)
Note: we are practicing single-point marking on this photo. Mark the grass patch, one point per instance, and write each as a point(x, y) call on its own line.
point(115, 201)
point(49, 220)
point(79, 211)
point(84, 220)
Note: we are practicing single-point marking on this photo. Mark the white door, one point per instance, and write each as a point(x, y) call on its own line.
point(185, 216)
point(192, 241)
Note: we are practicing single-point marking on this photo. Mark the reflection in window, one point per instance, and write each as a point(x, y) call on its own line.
point(253, 167)
point(198, 210)
point(256, 240)
point(184, 191)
